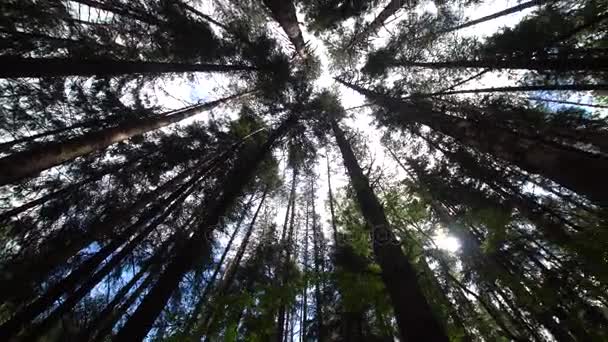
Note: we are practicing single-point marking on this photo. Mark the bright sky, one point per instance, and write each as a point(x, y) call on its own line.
point(175, 93)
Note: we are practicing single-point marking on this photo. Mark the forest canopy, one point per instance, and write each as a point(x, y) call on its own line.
point(321, 170)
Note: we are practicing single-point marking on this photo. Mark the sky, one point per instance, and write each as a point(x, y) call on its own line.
point(176, 93)
point(206, 87)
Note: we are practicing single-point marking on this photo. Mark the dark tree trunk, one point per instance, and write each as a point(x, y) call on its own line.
point(18, 166)
point(540, 99)
point(492, 16)
point(284, 12)
point(414, 316)
point(6, 146)
point(305, 289)
point(563, 87)
point(106, 326)
point(287, 244)
point(316, 239)
point(15, 67)
point(211, 283)
point(331, 204)
point(393, 7)
point(229, 273)
point(580, 171)
point(137, 326)
point(541, 64)
point(109, 310)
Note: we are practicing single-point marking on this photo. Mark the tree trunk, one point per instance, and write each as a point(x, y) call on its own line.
point(541, 64)
point(563, 87)
point(15, 67)
point(331, 204)
point(287, 245)
point(305, 287)
point(284, 12)
point(18, 166)
point(106, 326)
point(316, 239)
point(540, 99)
point(414, 316)
point(492, 16)
point(137, 326)
point(203, 298)
point(393, 7)
point(580, 171)
point(104, 316)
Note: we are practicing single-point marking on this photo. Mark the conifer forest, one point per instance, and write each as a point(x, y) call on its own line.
point(304, 170)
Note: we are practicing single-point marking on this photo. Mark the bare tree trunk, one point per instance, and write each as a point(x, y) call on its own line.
point(18, 166)
point(16, 67)
point(414, 316)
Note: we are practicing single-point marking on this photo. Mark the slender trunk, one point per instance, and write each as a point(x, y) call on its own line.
point(305, 287)
point(105, 328)
point(104, 316)
point(203, 298)
point(562, 87)
point(16, 67)
point(393, 7)
point(138, 324)
point(414, 315)
point(316, 239)
point(290, 204)
point(83, 273)
point(331, 204)
point(284, 12)
point(540, 99)
point(564, 166)
point(541, 64)
point(492, 16)
point(6, 146)
point(230, 272)
point(287, 244)
point(18, 166)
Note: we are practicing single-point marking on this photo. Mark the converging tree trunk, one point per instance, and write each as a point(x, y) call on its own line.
point(20, 165)
point(414, 316)
point(138, 324)
point(16, 67)
point(577, 170)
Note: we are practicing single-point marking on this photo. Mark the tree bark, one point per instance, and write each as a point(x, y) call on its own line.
point(541, 64)
point(316, 239)
point(580, 171)
point(284, 12)
point(20, 165)
point(137, 326)
point(331, 204)
point(540, 99)
point(15, 67)
point(393, 7)
point(414, 316)
point(492, 16)
point(229, 273)
point(203, 298)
